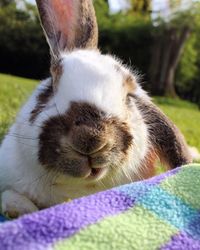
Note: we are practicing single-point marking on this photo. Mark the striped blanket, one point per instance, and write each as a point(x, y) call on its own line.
point(160, 213)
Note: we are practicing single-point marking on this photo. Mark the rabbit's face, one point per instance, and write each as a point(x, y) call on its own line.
point(94, 129)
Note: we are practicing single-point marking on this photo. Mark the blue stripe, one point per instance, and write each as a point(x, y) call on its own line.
point(169, 208)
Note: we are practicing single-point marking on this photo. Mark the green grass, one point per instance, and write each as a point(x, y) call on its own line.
point(15, 90)
point(13, 93)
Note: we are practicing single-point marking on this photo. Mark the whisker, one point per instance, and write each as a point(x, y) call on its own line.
point(102, 183)
point(53, 180)
point(38, 178)
point(21, 137)
point(25, 144)
point(28, 124)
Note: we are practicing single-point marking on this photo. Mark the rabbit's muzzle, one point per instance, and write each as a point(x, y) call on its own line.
point(88, 138)
point(84, 143)
point(90, 145)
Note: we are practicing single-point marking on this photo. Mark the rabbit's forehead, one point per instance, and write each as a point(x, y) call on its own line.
point(94, 79)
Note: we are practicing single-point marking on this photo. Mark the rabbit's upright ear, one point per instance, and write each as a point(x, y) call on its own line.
point(165, 138)
point(68, 24)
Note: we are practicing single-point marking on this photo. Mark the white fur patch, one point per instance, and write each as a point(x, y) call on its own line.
point(91, 77)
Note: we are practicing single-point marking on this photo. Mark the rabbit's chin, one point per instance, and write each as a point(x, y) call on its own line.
point(66, 187)
point(103, 177)
point(94, 176)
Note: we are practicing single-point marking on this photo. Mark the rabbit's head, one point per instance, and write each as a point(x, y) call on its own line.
point(100, 122)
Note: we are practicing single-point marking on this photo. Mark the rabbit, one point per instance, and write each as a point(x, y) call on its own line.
point(90, 126)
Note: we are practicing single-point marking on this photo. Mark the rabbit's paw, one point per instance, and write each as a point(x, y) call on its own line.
point(14, 204)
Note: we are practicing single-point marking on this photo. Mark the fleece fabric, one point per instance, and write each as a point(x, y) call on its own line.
point(159, 213)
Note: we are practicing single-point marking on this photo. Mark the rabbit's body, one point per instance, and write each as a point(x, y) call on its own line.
point(88, 127)
point(92, 77)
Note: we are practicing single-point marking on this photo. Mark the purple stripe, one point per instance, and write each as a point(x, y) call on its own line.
point(158, 179)
point(138, 189)
point(182, 241)
point(62, 221)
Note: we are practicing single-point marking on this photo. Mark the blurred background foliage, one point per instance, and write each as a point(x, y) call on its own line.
point(166, 51)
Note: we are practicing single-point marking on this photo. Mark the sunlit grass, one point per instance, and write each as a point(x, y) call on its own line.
point(13, 93)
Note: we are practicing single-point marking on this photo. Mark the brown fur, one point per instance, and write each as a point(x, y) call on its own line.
point(56, 72)
point(46, 94)
point(42, 100)
point(129, 82)
point(148, 168)
point(164, 136)
point(81, 138)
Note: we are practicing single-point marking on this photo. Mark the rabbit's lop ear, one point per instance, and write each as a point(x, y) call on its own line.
point(164, 137)
point(68, 24)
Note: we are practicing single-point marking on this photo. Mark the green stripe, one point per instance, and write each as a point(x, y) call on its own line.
point(185, 185)
point(137, 228)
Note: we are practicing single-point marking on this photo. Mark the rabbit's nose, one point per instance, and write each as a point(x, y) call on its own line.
point(88, 139)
